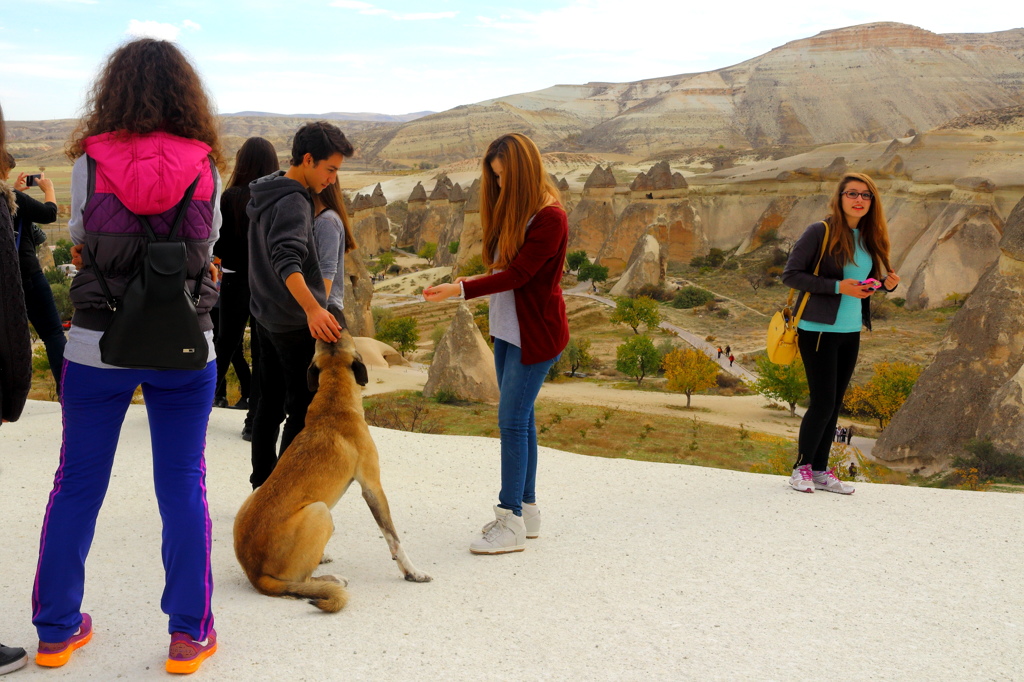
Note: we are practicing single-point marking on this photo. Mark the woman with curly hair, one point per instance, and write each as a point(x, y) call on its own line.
point(148, 136)
point(525, 237)
point(853, 260)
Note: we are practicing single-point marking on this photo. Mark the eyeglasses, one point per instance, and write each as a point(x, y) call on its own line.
point(850, 194)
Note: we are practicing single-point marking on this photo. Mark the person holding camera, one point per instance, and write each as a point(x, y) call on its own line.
point(42, 310)
point(856, 251)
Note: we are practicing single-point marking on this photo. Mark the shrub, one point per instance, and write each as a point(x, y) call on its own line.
point(698, 262)
point(731, 264)
point(691, 297)
point(437, 335)
point(453, 248)
point(722, 313)
point(989, 462)
point(55, 275)
point(898, 302)
point(715, 258)
point(656, 291)
point(62, 252)
point(473, 266)
point(557, 367)
point(62, 299)
point(446, 395)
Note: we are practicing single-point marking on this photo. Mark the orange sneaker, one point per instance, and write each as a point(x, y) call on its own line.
point(186, 654)
point(54, 655)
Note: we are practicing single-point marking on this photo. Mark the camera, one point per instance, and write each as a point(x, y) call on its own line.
point(872, 284)
point(32, 180)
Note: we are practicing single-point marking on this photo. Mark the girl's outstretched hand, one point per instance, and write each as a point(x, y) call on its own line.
point(441, 292)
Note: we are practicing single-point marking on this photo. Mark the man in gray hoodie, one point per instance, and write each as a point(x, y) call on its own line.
point(288, 296)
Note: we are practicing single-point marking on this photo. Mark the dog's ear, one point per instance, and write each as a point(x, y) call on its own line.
point(313, 377)
point(359, 370)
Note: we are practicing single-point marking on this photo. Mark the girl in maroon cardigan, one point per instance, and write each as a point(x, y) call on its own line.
point(525, 237)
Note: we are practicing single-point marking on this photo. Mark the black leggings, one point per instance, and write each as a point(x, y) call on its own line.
point(829, 359)
point(232, 317)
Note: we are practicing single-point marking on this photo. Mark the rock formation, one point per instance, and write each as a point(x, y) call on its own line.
point(358, 293)
point(594, 214)
point(370, 225)
point(647, 265)
point(378, 354)
point(463, 363)
point(471, 241)
point(975, 386)
point(452, 231)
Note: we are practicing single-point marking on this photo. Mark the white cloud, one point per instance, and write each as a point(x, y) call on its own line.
point(370, 10)
point(188, 23)
point(152, 29)
point(420, 16)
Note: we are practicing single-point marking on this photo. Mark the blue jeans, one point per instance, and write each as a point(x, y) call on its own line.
point(519, 385)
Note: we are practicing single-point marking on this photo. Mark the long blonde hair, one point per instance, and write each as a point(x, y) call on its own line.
point(874, 231)
point(505, 210)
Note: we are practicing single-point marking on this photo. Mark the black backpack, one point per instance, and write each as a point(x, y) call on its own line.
point(155, 324)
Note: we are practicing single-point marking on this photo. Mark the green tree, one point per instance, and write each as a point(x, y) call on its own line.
point(399, 332)
point(473, 266)
point(62, 252)
point(787, 383)
point(689, 370)
point(428, 251)
point(594, 273)
point(884, 394)
point(386, 260)
point(453, 248)
point(578, 355)
point(634, 312)
point(575, 259)
point(637, 358)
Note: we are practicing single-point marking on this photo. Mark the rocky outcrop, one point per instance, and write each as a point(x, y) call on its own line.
point(369, 220)
point(463, 363)
point(594, 215)
point(647, 265)
point(378, 354)
point(975, 386)
point(452, 231)
point(471, 240)
point(358, 294)
point(658, 180)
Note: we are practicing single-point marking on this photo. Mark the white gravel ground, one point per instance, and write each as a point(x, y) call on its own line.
point(642, 571)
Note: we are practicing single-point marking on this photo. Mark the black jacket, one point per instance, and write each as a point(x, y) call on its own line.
point(15, 345)
point(823, 306)
point(30, 211)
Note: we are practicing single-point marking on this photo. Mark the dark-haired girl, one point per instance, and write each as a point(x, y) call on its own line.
point(857, 251)
point(525, 238)
point(255, 158)
point(149, 132)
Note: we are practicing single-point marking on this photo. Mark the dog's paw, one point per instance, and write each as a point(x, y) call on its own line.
point(418, 577)
point(332, 579)
point(326, 559)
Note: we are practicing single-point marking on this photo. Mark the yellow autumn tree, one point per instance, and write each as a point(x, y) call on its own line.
point(884, 394)
point(689, 370)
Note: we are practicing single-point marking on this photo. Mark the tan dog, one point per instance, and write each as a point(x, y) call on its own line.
point(283, 527)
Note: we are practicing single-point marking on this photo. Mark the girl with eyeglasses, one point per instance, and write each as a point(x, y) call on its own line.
point(856, 252)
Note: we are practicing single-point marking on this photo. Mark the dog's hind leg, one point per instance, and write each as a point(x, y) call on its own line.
point(378, 503)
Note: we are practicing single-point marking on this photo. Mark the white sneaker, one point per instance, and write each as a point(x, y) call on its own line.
point(826, 480)
point(506, 534)
point(531, 518)
point(802, 480)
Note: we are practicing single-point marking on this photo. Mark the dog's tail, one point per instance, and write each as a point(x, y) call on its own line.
point(323, 592)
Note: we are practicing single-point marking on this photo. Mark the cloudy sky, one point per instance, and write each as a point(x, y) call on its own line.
point(400, 57)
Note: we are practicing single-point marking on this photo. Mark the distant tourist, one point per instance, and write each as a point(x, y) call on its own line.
point(289, 301)
point(148, 136)
point(254, 159)
point(728, 350)
point(42, 310)
point(829, 340)
point(731, 359)
point(849, 434)
point(524, 244)
point(719, 352)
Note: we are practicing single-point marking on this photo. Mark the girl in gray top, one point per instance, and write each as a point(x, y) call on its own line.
point(333, 236)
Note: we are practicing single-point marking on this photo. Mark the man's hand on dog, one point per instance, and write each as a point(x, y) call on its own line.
point(323, 325)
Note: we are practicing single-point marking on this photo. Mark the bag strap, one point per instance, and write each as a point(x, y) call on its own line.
point(151, 236)
point(807, 296)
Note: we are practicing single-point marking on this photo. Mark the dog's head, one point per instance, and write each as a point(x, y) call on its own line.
point(341, 354)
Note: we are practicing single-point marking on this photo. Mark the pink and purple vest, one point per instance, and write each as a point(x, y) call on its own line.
point(132, 175)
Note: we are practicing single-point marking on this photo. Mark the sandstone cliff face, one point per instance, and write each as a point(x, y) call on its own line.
point(471, 241)
point(647, 265)
point(973, 388)
point(594, 214)
point(370, 225)
point(807, 92)
point(358, 293)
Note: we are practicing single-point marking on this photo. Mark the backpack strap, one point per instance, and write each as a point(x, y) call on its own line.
point(817, 267)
